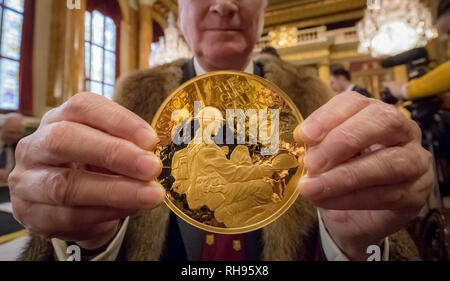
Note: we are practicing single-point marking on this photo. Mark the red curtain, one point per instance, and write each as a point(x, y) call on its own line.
point(26, 60)
point(107, 8)
point(110, 9)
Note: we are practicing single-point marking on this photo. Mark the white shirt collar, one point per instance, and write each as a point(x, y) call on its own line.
point(200, 71)
point(350, 88)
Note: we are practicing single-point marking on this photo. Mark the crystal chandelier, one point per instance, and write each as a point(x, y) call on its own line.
point(170, 47)
point(390, 27)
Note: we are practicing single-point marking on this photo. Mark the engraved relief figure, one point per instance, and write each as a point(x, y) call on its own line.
point(235, 189)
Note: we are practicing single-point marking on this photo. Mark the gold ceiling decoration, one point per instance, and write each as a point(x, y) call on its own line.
point(284, 36)
point(290, 11)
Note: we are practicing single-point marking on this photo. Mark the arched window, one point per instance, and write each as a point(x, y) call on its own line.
point(16, 24)
point(101, 47)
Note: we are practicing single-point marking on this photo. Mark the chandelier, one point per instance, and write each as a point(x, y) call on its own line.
point(390, 27)
point(170, 47)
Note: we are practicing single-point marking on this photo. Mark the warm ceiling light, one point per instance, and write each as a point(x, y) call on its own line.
point(283, 37)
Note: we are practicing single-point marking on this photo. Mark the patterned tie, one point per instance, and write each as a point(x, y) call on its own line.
point(224, 247)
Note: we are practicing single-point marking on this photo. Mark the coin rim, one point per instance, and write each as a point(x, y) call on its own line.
point(286, 205)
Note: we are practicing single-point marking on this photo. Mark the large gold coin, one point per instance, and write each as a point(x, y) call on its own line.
point(230, 163)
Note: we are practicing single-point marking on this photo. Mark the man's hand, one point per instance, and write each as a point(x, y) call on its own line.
point(87, 166)
point(397, 90)
point(4, 174)
point(367, 171)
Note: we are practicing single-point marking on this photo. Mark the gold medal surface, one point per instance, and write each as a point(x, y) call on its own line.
point(230, 163)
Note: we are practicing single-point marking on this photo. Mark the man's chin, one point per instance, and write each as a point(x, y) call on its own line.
point(227, 56)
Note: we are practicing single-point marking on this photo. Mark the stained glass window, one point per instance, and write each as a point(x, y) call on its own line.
point(100, 53)
point(11, 19)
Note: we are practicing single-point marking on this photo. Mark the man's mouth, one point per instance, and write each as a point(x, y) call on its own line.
point(223, 29)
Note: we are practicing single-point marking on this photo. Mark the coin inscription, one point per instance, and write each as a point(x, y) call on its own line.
point(230, 164)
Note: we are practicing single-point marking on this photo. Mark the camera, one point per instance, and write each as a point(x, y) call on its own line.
point(416, 61)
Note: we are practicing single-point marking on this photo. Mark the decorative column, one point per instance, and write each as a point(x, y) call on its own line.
point(66, 61)
point(129, 36)
point(324, 72)
point(145, 32)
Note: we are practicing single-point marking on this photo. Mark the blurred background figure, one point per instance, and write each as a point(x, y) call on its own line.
point(340, 82)
point(12, 129)
point(271, 51)
point(11, 132)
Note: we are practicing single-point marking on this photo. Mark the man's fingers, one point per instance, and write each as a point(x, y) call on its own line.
point(406, 196)
point(88, 231)
point(65, 142)
point(103, 114)
point(314, 129)
point(54, 220)
point(384, 167)
point(378, 123)
point(70, 187)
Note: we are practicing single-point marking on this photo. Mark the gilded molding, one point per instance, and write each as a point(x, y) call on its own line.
point(311, 10)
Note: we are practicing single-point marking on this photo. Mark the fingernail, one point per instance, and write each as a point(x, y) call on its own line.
point(311, 186)
point(152, 195)
point(314, 160)
point(147, 138)
point(311, 131)
point(149, 165)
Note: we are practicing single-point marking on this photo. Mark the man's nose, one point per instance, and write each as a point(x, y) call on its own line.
point(224, 7)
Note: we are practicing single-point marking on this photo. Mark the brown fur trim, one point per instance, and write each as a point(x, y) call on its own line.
point(144, 91)
point(293, 236)
point(306, 90)
point(402, 247)
point(37, 249)
point(146, 235)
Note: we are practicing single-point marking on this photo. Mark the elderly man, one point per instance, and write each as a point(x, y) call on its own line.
point(340, 82)
point(86, 172)
point(11, 131)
